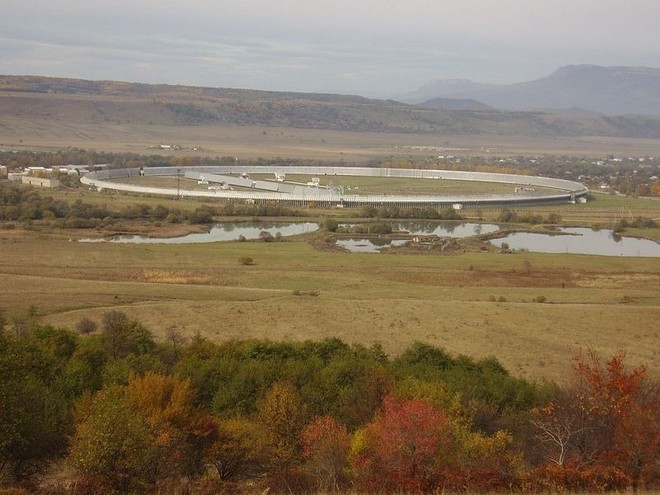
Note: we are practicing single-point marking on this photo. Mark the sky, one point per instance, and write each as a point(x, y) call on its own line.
point(376, 48)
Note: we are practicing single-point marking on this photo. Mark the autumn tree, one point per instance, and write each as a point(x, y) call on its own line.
point(484, 463)
point(559, 425)
point(113, 443)
point(480, 462)
point(283, 415)
point(326, 445)
point(408, 447)
point(135, 435)
point(608, 416)
point(181, 432)
point(241, 449)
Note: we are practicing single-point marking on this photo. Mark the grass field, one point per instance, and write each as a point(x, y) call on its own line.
point(269, 142)
point(352, 185)
point(479, 304)
point(451, 301)
point(395, 185)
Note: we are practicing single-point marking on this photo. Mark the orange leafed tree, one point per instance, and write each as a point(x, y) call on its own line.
point(609, 416)
point(326, 445)
point(406, 448)
point(133, 436)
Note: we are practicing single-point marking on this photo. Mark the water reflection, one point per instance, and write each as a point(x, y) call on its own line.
point(581, 241)
point(229, 231)
point(444, 229)
point(427, 228)
point(368, 245)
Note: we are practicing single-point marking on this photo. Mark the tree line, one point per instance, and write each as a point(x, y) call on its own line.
point(73, 156)
point(26, 204)
point(129, 414)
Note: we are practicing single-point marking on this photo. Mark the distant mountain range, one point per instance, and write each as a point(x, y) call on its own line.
point(574, 89)
point(61, 105)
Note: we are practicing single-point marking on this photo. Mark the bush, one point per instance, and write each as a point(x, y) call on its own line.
point(201, 215)
point(330, 224)
point(245, 260)
point(566, 478)
point(554, 218)
point(86, 325)
point(266, 236)
point(540, 299)
point(314, 293)
point(507, 216)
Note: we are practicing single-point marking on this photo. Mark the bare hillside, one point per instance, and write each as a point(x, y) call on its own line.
point(41, 101)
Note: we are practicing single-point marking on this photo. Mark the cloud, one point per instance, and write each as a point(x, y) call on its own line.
point(363, 46)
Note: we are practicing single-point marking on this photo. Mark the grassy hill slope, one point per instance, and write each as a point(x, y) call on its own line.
point(25, 99)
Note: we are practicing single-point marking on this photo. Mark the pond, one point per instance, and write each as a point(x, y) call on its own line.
point(368, 245)
point(441, 229)
point(581, 241)
point(228, 231)
point(445, 229)
point(573, 240)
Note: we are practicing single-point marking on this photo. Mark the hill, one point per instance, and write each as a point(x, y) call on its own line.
point(55, 103)
point(454, 104)
point(448, 88)
point(590, 88)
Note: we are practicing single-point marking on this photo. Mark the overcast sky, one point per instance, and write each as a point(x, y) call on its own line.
point(369, 47)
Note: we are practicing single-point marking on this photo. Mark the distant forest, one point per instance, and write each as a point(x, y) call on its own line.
point(119, 412)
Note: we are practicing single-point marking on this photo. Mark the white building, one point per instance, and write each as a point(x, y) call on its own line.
point(40, 181)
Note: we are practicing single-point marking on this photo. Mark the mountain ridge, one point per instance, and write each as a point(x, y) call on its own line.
point(53, 103)
point(617, 90)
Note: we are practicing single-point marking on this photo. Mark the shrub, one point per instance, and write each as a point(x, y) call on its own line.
point(266, 236)
point(567, 478)
point(507, 216)
point(330, 224)
point(245, 260)
point(554, 218)
point(86, 325)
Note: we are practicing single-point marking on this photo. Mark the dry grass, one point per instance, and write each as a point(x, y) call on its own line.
point(251, 141)
point(450, 301)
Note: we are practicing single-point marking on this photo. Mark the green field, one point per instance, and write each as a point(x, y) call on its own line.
point(450, 301)
point(395, 185)
point(356, 185)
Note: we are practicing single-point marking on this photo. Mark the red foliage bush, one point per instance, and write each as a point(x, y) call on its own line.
point(566, 478)
point(326, 445)
point(407, 448)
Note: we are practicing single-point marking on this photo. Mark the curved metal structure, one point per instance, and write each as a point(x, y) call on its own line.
point(260, 191)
